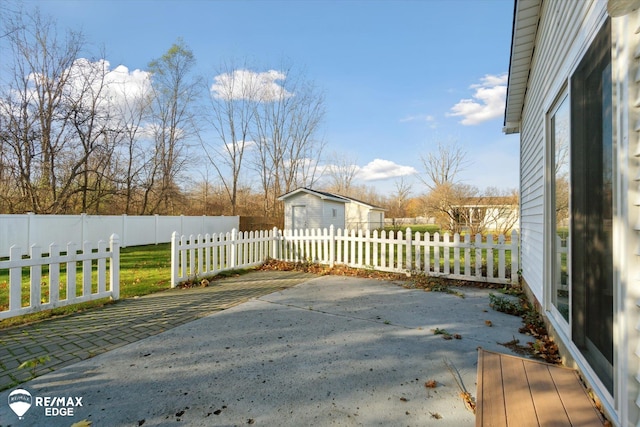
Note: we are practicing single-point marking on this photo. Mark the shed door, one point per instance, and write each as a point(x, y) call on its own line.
point(298, 217)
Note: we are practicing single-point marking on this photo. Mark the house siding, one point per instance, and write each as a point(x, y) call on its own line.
point(626, 71)
point(565, 32)
point(561, 42)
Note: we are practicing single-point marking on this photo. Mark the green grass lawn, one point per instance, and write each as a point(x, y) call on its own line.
point(143, 270)
point(422, 228)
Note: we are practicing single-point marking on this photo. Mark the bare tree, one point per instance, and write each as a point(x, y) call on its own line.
point(502, 210)
point(341, 171)
point(288, 116)
point(447, 198)
point(399, 200)
point(175, 92)
point(443, 166)
point(133, 156)
point(38, 134)
point(234, 96)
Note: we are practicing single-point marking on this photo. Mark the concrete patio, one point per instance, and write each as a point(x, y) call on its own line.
point(329, 351)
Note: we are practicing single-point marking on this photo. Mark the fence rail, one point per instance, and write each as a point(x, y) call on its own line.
point(57, 284)
point(484, 259)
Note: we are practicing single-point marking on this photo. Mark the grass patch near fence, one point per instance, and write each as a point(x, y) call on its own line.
point(422, 228)
point(143, 270)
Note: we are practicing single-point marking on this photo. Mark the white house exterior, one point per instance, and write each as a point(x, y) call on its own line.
point(307, 208)
point(574, 98)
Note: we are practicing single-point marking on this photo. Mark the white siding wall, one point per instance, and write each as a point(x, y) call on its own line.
point(319, 211)
point(363, 217)
point(560, 44)
point(376, 219)
point(357, 216)
point(565, 32)
point(626, 35)
point(328, 219)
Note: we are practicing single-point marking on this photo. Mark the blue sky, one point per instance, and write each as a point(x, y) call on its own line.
point(398, 76)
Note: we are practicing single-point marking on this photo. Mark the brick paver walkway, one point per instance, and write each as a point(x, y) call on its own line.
point(73, 338)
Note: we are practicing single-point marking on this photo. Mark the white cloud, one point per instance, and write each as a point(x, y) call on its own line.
point(246, 84)
point(123, 83)
point(383, 169)
point(487, 103)
point(239, 146)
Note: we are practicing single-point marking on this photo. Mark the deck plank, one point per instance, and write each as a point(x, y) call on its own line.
point(577, 403)
point(518, 402)
point(518, 392)
point(494, 410)
point(548, 406)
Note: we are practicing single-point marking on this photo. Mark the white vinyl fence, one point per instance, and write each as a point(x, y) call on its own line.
point(484, 259)
point(203, 256)
point(134, 230)
point(70, 276)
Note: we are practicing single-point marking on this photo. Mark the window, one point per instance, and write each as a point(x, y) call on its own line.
point(560, 193)
point(591, 204)
point(579, 218)
point(334, 212)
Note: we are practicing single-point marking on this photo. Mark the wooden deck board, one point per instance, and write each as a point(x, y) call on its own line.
point(517, 400)
point(517, 392)
point(578, 404)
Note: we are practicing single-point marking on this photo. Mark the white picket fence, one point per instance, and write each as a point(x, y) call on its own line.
point(54, 286)
point(203, 256)
point(484, 259)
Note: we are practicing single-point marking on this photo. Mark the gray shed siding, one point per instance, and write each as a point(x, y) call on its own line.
point(319, 211)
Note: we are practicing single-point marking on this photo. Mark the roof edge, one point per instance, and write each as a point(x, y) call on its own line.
point(526, 18)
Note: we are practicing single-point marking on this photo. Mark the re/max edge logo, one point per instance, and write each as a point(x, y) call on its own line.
point(20, 401)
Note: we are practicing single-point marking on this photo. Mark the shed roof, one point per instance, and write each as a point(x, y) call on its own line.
point(321, 194)
point(526, 16)
point(325, 195)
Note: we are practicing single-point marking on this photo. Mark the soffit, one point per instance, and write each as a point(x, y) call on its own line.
point(525, 27)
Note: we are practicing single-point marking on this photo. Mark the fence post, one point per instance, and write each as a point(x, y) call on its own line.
point(54, 275)
point(515, 244)
point(15, 279)
point(30, 216)
point(408, 254)
point(123, 237)
point(114, 266)
point(157, 227)
point(232, 260)
point(35, 275)
point(174, 259)
point(275, 233)
point(332, 246)
point(83, 226)
point(86, 269)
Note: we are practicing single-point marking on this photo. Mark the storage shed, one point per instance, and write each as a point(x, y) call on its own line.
point(306, 208)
